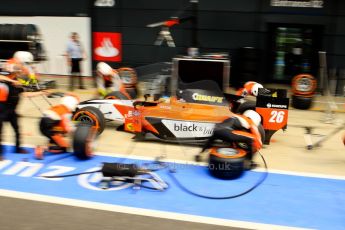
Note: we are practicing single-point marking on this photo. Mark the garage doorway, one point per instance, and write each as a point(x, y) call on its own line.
point(294, 50)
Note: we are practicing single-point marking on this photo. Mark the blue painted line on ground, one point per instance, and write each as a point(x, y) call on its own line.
point(287, 200)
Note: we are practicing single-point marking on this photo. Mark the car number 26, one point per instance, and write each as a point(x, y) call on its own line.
point(277, 116)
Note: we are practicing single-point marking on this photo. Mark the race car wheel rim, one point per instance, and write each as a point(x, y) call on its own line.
point(228, 152)
point(303, 84)
point(87, 117)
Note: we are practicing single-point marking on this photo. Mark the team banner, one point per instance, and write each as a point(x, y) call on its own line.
point(107, 46)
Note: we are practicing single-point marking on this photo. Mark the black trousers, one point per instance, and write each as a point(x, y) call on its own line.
point(76, 73)
point(10, 115)
point(46, 127)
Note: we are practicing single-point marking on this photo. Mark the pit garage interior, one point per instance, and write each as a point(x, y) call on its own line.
point(266, 41)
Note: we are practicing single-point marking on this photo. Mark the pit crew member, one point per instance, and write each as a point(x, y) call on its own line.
point(56, 124)
point(10, 90)
point(108, 80)
point(21, 65)
point(250, 88)
point(239, 129)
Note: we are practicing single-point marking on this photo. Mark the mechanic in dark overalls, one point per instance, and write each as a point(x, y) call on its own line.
point(239, 129)
point(10, 90)
point(9, 98)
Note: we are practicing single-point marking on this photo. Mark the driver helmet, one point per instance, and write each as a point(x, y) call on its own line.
point(70, 101)
point(254, 116)
point(255, 89)
point(24, 57)
point(104, 68)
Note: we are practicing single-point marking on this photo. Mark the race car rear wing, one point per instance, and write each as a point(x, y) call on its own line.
point(274, 111)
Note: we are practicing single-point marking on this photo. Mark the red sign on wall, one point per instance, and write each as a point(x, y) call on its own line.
point(107, 46)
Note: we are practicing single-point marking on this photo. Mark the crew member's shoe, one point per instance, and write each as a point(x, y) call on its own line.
point(39, 153)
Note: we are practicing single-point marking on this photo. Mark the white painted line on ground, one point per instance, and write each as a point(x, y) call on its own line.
point(141, 211)
point(326, 102)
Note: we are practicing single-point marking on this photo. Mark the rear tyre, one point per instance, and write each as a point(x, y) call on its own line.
point(92, 116)
point(247, 105)
point(226, 163)
point(83, 140)
point(116, 95)
point(132, 92)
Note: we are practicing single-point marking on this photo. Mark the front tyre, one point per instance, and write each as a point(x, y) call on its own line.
point(83, 141)
point(92, 116)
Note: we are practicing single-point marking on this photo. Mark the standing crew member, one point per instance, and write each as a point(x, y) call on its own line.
point(108, 80)
point(75, 54)
point(56, 123)
point(10, 90)
point(8, 95)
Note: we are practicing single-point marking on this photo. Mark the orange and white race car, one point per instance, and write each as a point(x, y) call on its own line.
point(193, 115)
point(189, 115)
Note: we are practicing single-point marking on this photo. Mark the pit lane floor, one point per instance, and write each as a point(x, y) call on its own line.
point(32, 215)
point(286, 152)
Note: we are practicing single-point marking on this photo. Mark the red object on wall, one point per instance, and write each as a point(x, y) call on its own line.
point(107, 46)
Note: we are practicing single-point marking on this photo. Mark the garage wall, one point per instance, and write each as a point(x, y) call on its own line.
point(55, 33)
point(223, 25)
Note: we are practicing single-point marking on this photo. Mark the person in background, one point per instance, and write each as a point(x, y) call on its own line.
point(75, 55)
point(108, 80)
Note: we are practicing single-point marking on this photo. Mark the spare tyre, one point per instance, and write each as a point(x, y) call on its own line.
point(302, 102)
point(303, 84)
point(83, 141)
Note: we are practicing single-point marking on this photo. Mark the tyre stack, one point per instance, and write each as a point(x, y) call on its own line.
point(303, 90)
point(20, 37)
point(246, 66)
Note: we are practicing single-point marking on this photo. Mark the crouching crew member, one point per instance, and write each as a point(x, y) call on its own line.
point(108, 80)
point(55, 124)
point(239, 129)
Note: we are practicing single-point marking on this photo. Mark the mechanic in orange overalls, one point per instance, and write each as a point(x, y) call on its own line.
point(56, 123)
point(20, 63)
point(108, 80)
point(239, 129)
